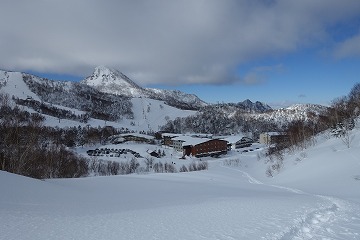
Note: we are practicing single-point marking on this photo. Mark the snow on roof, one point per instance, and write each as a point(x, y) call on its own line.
point(275, 133)
point(183, 138)
point(195, 135)
point(137, 135)
point(172, 134)
point(232, 139)
point(192, 141)
point(195, 141)
point(201, 135)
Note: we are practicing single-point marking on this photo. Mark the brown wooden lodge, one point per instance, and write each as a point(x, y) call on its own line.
point(207, 147)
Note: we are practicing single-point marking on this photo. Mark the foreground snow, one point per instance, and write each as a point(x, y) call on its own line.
point(219, 204)
point(315, 198)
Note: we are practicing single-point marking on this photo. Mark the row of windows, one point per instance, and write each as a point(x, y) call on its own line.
point(206, 147)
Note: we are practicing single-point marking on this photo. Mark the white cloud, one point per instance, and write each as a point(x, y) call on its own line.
point(349, 48)
point(272, 68)
point(161, 41)
point(253, 78)
point(260, 74)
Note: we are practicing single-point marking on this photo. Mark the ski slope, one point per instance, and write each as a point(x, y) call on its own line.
point(150, 114)
point(15, 86)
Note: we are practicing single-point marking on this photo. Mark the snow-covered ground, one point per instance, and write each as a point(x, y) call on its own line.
point(316, 195)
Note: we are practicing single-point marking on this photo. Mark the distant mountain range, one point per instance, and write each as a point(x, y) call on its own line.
point(112, 81)
point(110, 95)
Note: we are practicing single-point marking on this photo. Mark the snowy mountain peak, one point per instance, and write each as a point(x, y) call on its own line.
point(110, 80)
point(254, 106)
point(110, 74)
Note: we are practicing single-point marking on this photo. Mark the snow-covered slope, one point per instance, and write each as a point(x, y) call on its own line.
point(177, 97)
point(315, 196)
point(328, 168)
point(150, 114)
point(112, 81)
point(13, 84)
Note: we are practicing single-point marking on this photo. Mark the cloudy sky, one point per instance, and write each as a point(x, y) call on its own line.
point(276, 51)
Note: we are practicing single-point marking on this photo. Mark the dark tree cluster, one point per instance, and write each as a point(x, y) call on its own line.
point(344, 110)
point(100, 167)
point(195, 166)
point(50, 110)
point(28, 148)
point(214, 120)
point(340, 118)
point(25, 148)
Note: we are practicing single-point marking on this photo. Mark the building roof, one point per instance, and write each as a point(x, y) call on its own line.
point(172, 134)
point(274, 133)
point(139, 135)
point(195, 135)
point(192, 141)
point(232, 139)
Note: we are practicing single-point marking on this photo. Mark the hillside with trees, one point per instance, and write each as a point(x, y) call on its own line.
point(29, 147)
point(79, 96)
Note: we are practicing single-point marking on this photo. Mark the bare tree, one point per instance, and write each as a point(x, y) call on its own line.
point(149, 163)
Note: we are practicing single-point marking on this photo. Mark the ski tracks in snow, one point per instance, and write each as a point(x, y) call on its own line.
point(312, 225)
point(334, 219)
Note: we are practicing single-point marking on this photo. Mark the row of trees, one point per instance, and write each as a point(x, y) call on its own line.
point(50, 110)
point(100, 167)
point(215, 121)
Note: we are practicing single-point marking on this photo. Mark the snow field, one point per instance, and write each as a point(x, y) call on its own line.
point(218, 204)
point(314, 196)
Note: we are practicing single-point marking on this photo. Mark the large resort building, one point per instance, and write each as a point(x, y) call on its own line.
point(198, 146)
point(269, 138)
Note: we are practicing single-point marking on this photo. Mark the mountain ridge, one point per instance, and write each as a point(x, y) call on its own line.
point(112, 81)
point(83, 103)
